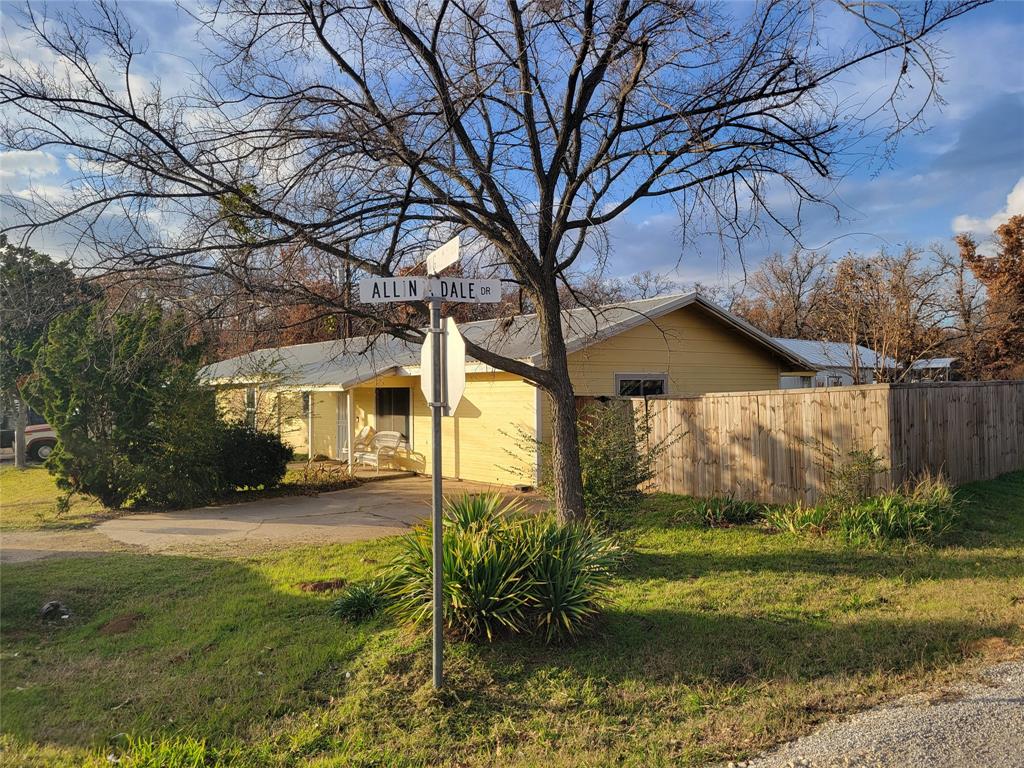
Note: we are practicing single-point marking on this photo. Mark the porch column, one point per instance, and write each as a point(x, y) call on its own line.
point(350, 413)
point(309, 429)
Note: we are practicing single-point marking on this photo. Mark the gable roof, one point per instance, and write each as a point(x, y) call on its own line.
point(348, 362)
point(835, 354)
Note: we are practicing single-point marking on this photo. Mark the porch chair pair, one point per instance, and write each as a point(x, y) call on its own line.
point(372, 448)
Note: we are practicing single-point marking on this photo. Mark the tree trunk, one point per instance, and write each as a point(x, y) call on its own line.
point(565, 454)
point(20, 423)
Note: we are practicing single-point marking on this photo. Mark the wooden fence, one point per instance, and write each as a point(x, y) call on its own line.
point(780, 445)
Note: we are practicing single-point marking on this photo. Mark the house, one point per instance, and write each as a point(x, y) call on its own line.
point(935, 369)
point(835, 363)
point(318, 396)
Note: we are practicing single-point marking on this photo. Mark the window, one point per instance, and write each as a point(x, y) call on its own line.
point(640, 384)
point(250, 407)
point(392, 410)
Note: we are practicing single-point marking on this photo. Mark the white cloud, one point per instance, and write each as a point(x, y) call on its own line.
point(27, 163)
point(1014, 206)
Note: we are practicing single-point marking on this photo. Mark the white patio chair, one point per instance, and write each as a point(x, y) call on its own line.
point(383, 447)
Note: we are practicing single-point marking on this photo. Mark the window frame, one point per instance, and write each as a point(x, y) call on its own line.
point(642, 377)
point(251, 393)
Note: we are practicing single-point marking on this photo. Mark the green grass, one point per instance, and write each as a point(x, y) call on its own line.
point(718, 643)
point(27, 499)
point(28, 496)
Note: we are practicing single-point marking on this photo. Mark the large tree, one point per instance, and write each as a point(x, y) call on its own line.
point(364, 133)
point(1001, 271)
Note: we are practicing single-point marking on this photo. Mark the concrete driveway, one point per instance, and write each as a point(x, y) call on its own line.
point(364, 512)
point(367, 511)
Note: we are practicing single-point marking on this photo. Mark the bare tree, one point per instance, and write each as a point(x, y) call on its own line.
point(787, 294)
point(367, 132)
point(899, 305)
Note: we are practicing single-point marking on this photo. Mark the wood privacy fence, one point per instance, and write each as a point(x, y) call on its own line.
point(780, 445)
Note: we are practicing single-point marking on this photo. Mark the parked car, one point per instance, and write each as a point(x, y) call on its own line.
point(40, 438)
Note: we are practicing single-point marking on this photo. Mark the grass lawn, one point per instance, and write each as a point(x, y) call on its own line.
point(718, 643)
point(27, 499)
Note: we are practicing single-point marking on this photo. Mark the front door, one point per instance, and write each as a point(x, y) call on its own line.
point(393, 410)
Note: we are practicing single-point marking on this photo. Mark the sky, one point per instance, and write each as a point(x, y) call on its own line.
point(964, 173)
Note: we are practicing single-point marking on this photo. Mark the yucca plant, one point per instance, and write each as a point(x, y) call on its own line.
point(505, 572)
point(570, 569)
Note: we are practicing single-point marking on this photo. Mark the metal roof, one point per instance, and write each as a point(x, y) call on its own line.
point(347, 362)
point(933, 362)
point(835, 354)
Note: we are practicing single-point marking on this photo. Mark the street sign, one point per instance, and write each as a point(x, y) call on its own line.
point(384, 290)
point(442, 379)
point(464, 290)
point(443, 257)
point(453, 366)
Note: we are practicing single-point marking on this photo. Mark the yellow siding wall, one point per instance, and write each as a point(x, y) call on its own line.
point(292, 423)
point(481, 442)
point(699, 354)
point(325, 424)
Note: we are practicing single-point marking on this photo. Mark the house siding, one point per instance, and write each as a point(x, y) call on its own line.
point(698, 352)
point(482, 441)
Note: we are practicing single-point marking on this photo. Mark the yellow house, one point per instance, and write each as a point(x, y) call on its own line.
point(318, 396)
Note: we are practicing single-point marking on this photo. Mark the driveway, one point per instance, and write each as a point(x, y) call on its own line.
point(364, 512)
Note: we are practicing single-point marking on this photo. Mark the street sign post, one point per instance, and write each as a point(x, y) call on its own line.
point(442, 379)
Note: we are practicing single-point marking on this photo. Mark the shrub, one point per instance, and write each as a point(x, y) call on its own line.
point(504, 572)
point(721, 511)
point(250, 458)
point(617, 458)
point(852, 479)
point(133, 422)
point(361, 601)
point(570, 572)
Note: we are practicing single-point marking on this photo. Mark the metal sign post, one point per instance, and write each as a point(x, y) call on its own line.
point(444, 361)
point(436, 407)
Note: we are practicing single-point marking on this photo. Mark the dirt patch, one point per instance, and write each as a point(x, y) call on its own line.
point(119, 625)
point(327, 585)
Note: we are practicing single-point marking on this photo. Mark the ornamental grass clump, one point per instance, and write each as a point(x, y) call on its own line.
point(924, 513)
point(505, 572)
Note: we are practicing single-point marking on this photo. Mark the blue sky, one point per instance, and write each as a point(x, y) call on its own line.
point(965, 172)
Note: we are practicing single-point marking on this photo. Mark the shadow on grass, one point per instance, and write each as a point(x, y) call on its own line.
point(930, 564)
point(165, 644)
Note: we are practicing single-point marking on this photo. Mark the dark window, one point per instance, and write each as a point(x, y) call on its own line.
point(640, 386)
point(250, 407)
point(393, 410)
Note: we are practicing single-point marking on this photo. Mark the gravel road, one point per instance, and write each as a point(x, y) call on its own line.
point(977, 724)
